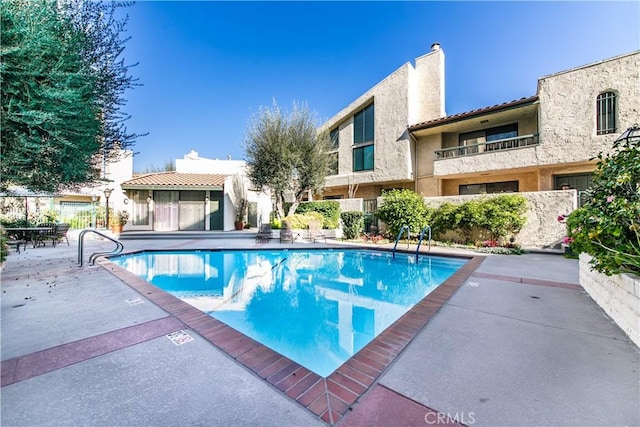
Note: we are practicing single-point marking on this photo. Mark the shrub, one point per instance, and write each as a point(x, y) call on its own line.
point(352, 223)
point(495, 218)
point(330, 210)
point(4, 248)
point(403, 207)
point(444, 219)
point(301, 221)
point(608, 225)
point(502, 215)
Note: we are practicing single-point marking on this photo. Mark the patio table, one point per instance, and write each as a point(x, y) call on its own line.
point(28, 234)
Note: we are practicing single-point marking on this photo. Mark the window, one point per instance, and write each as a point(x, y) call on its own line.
point(363, 125)
point(606, 113)
point(490, 187)
point(333, 163)
point(363, 158)
point(486, 136)
point(335, 138)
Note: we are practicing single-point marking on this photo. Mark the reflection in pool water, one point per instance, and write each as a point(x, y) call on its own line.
point(317, 307)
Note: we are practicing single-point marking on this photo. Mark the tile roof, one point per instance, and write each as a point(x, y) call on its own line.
point(473, 113)
point(176, 179)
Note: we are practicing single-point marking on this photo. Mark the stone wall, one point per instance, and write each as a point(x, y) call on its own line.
point(618, 296)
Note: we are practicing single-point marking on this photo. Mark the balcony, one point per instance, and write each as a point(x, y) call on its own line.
point(488, 147)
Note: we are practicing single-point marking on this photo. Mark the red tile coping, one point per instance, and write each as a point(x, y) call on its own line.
point(38, 363)
point(385, 407)
point(329, 398)
point(528, 281)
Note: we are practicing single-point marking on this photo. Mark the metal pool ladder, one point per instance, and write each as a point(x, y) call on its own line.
point(404, 227)
point(92, 259)
point(428, 227)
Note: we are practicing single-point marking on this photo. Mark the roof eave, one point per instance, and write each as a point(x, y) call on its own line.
point(172, 187)
point(474, 114)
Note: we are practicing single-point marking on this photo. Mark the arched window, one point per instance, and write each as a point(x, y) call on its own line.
point(606, 113)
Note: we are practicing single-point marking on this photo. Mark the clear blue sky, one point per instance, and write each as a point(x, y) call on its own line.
point(207, 67)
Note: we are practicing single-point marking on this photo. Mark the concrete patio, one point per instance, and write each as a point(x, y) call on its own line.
point(519, 344)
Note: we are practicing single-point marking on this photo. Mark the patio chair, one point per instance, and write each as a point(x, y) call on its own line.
point(15, 239)
point(61, 233)
point(46, 235)
point(286, 233)
point(315, 231)
point(264, 233)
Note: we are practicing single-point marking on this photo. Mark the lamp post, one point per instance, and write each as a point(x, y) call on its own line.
point(107, 193)
point(94, 198)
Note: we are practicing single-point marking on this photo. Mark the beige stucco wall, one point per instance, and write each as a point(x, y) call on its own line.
point(407, 95)
point(568, 108)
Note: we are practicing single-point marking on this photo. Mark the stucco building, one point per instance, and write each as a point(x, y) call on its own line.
point(199, 195)
point(372, 149)
point(531, 144)
point(396, 135)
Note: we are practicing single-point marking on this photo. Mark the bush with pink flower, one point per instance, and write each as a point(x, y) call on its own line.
point(607, 226)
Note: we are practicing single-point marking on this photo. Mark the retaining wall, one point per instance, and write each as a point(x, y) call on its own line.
point(618, 296)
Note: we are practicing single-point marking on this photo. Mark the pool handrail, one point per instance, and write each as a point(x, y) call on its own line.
point(404, 227)
point(425, 228)
point(92, 258)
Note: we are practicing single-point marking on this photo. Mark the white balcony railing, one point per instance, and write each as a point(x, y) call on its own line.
point(488, 147)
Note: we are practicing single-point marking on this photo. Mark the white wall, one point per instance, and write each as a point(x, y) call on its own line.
point(617, 295)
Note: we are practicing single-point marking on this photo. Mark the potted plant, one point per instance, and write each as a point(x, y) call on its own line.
point(241, 203)
point(241, 214)
point(118, 221)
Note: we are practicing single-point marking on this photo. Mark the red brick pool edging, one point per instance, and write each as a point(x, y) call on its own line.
point(329, 398)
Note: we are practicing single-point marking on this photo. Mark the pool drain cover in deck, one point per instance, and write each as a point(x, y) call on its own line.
point(180, 337)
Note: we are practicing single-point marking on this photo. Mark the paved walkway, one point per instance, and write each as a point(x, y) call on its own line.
point(519, 343)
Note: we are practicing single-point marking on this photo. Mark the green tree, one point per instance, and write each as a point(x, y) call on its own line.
point(62, 90)
point(285, 153)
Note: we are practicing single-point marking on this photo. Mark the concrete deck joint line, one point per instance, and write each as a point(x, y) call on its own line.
point(31, 365)
point(527, 281)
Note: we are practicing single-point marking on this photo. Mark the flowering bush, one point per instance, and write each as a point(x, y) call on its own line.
point(608, 225)
point(566, 240)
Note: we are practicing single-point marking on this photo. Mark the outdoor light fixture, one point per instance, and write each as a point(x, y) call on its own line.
point(107, 193)
point(630, 135)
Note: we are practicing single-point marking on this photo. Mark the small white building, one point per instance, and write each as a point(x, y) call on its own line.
point(199, 195)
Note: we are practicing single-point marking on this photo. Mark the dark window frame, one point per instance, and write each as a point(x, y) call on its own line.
point(364, 125)
point(606, 113)
point(359, 159)
point(334, 136)
point(334, 163)
point(490, 187)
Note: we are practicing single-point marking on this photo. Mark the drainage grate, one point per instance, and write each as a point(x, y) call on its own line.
point(135, 301)
point(180, 337)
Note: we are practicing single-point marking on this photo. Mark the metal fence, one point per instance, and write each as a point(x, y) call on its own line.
point(78, 215)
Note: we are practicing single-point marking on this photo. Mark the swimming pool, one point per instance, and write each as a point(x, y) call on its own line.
point(316, 307)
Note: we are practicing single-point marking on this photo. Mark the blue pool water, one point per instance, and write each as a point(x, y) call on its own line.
point(316, 307)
